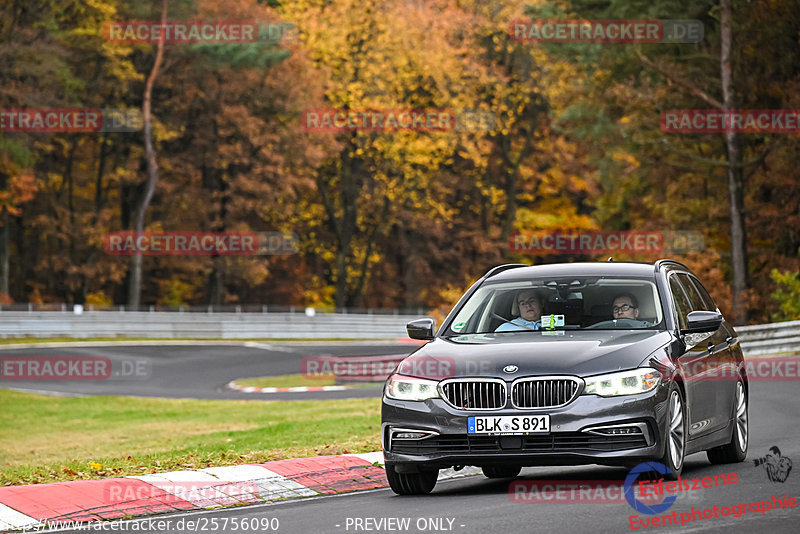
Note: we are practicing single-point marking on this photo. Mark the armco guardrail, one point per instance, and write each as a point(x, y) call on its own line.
point(757, 339)
point(770, 338)
point(202, 325)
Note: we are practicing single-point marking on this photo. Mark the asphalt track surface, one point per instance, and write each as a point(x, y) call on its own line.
point(471, 504)
point(198, 371)
point(478, 505)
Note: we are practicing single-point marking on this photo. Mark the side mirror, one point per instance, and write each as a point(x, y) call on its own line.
point(421, 328)
point(698, 322)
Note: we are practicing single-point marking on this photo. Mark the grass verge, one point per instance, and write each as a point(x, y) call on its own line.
point(50, 439)
point(292, 381)
point(287, 381)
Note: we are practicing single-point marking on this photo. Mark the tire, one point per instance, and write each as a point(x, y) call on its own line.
point(501, 471)
point(420, 483)
point(736, 450)
point(675, 446)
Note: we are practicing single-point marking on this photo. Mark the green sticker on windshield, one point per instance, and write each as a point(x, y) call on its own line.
point(551, 322)
point(458, 327)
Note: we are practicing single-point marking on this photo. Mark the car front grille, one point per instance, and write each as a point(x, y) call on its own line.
point(544, 392)
point(475, 394)
point(552, 443)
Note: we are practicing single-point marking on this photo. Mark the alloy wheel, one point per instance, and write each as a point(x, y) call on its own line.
point(676, 430)
point(741, 416)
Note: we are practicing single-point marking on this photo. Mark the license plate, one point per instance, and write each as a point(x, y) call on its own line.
point(508, 424)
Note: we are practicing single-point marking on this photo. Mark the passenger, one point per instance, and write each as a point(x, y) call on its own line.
point(530, 313)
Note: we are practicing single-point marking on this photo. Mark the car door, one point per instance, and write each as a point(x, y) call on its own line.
point(721, 360)
point(700, 399)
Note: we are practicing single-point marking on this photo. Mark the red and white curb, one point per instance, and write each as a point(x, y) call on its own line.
point(298, 389)
point(40, 505)
point(32, 506)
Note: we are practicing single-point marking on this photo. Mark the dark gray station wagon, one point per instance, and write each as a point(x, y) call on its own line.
point(581, 363)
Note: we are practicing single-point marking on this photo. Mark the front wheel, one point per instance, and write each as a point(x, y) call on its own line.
point(675, 447)
point(420, 483)
point(736, 450)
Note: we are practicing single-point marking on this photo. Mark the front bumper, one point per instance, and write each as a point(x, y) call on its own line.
point(574, 438)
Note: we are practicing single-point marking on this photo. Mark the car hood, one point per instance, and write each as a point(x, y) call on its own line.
point(579, 353)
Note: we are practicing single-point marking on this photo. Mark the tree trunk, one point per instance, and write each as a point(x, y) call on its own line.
point(4, 263)
point(735, 177)
point(351, 175)
point(135, 287)
point(372, 237)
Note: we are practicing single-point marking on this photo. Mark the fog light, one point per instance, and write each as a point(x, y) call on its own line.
point(410, 435)
point(629, 430)
point(616, 430)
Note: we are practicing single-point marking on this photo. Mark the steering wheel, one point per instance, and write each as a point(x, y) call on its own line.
point(614, 323)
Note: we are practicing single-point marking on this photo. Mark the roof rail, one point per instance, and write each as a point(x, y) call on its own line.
point(660, 263)
point(500, 268)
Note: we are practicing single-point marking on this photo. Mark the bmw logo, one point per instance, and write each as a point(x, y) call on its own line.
point(510, 369)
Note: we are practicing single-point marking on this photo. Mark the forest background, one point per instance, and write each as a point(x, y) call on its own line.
point(391, 219)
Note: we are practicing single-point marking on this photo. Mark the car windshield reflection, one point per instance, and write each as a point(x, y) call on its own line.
point(553, 305)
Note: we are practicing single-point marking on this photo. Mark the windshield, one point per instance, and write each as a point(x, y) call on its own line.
point(588, 303)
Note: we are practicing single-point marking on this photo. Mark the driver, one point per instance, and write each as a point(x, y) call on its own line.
point(625, 306)
point(530, 313)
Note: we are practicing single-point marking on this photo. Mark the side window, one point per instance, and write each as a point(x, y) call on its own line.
point(679, 299)
point(695, 299)
point(709, 302)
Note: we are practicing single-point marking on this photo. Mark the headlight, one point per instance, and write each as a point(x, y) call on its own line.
point(405, 388)
point(632, 382)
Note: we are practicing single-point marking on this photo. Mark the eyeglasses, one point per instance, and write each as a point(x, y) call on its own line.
point(623, 308)
point(529, 302)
